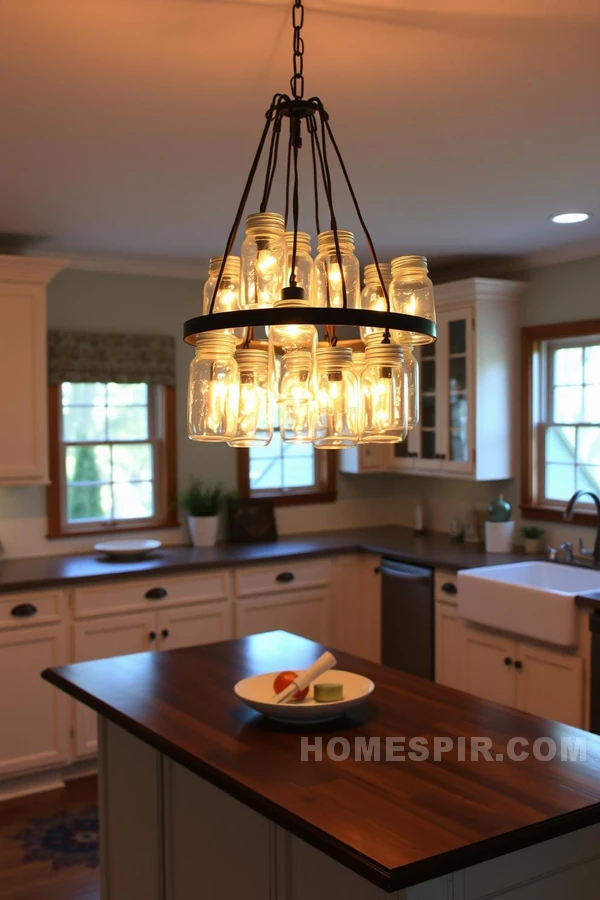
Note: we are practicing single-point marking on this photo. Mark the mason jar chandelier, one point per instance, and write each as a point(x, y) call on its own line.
point(316, 388)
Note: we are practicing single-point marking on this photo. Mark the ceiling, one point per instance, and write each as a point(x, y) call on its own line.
point(129, 125)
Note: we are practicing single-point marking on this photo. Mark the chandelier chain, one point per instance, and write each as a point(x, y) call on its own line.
point(297, 79)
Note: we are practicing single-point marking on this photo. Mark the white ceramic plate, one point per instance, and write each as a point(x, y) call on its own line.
point(127, 549)
point(257, 692)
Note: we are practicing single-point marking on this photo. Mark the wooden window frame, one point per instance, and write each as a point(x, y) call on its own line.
point(324, 491)
point(532, 337)
point(163, 411)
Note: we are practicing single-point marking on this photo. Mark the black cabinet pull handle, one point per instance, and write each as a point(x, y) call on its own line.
point(156, 594)
point(518, 664)
point(285, 577)
point(23, 610)
point(165, 633)
point(152, 635)
point(449, 588)
point(508, 661)
point(377, 570)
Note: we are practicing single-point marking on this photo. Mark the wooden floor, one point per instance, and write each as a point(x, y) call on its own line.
point(37, 880)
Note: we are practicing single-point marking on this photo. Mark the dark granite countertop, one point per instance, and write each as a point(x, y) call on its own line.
point(430, 549)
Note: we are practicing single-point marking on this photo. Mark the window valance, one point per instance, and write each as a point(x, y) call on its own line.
point(89, 356)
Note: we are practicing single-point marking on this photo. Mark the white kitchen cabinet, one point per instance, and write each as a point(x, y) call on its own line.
point(23, 368)
point(468, 385)
point(364, 458)
point(303, 612)
point(34, 725)
point(188, 626)
point(448, 645)
point(521, 674)
point(356, 606)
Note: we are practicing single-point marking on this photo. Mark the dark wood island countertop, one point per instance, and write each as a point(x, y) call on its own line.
point(396, 823)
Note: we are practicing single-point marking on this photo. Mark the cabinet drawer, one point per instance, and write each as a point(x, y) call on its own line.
point(285, 575)
point(23, 609)
point(445, 586)
point(127, 596)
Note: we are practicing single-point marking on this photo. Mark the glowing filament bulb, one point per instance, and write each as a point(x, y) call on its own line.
point(249, 408)
point(265, 262)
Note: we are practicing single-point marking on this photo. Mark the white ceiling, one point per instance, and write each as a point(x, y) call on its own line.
point(129, 125)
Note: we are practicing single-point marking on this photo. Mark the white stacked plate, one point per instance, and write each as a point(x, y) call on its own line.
point(257, 692)
point(127, 549)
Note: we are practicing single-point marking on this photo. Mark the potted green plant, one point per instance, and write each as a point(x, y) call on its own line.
point(202, 504)
point(531, 538)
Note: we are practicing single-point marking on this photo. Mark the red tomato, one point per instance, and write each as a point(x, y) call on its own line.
point(282, 681)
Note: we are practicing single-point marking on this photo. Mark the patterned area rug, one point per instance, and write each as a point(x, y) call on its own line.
point(65, 839)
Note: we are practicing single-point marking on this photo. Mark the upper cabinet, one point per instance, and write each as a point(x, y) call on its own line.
point(467, 388)
point(23, 377)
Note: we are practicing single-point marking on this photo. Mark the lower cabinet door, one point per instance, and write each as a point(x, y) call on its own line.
point(302, 612)
point(488, 666)
point(550, 684)
point(202, 623)
point(34, 722)
point(98, 639)
point(448, 645)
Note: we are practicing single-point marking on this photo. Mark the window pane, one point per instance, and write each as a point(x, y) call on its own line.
point(265, 473)
point(458, 336)
point(79, 394)
point(588, 479)
point(133, 501)
point(128, 423)
point(132, 462)
point(85, 464)
point(298, 472)
point(588, 446)
point(458, 373)
point(88, 503)
point(591, 403)
point(127, 394)
point(84, 423)
point(458, 447)
point(592, 364)
point(560, 481)
point(568, 403)
point(560, 445)
point(568, 365)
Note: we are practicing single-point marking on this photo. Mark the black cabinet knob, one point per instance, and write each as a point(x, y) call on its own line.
point(152, 635)
point(285, 577)
point(156, 593)
point(508, 661)
point(449, 588)
point(23, 610)
point(518, 664)
point(165, 633)
point(377, 570)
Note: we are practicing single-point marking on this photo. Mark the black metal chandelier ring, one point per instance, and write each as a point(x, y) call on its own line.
point(312, 315)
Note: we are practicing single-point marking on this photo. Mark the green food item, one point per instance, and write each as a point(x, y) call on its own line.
point(499, 510)
point(327, 693)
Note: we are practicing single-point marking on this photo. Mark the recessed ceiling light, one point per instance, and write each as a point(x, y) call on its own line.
point(570, 218)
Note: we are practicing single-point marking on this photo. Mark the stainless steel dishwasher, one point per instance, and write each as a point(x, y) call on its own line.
point(407, 620)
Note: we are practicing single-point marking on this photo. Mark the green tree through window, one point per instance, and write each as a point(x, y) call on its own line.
point(85, 503)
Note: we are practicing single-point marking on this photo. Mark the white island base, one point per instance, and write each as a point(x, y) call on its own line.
point(167, 834)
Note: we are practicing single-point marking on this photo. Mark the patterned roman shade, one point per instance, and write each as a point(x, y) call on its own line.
point(89, 356)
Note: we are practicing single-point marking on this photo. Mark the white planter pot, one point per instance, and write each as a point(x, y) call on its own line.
point(531, 545)
point(203, 530)
point(499, 537)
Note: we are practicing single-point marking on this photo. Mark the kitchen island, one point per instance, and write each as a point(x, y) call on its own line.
point(202, 797)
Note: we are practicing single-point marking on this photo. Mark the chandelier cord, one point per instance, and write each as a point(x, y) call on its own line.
point(271, 161)
point(329, 193)
point(297, 79)
point(286, 214)
point(296, 141)
point(248, 186)
point(315, 174)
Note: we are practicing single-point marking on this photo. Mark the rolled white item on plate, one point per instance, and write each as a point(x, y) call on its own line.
point(304, 679)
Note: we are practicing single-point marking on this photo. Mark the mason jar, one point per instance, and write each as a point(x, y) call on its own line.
point(296, 398)
point(373, 297)
point(411, 293)
point(254, 418)
point(336, 415)
point(383, 385)
point(264, 259)
point(213, 389)
point(285, 340)
point(228, 295)
point(328, 276)
point(305, 267)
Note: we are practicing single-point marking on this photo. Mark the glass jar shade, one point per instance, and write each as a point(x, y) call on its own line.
point(296, 398)
point(328, 276)
point(254, 419)
point(359, 359)
point(305, 267)
point(285, 341)
point(373, 297)
point(411, 293)
point(337, 414)
point(383, 385)
point(411, 370)
point(213, 389)
point(228, 295)
point(264, 260)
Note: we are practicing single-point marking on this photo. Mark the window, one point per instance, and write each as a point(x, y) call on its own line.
point(561, 418)
point(112, 457)
point(288, 473)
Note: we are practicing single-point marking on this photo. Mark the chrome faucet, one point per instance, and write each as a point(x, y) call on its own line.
point(568, 515)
